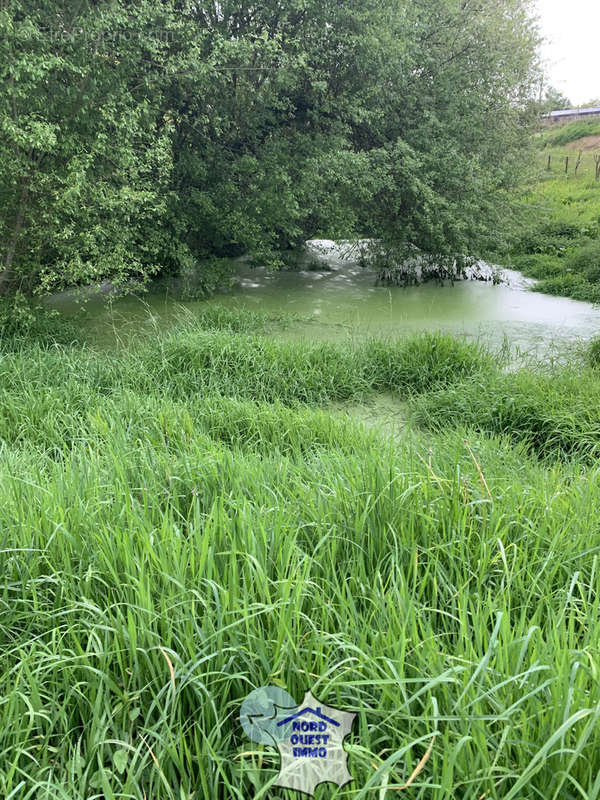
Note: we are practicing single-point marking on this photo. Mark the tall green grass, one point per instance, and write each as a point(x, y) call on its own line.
point(556, 414)
point(195, 363)
point(179, 527)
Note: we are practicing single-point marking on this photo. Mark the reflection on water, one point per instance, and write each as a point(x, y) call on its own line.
point(346, 302)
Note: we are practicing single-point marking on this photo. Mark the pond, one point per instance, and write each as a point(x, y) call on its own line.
point(345, 302)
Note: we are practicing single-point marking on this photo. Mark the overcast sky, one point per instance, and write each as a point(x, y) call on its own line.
point(573, 50)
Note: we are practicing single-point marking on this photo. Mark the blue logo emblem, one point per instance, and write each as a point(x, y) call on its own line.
point(309, 737)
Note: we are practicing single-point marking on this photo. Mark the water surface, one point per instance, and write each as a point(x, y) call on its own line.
point(346, 303)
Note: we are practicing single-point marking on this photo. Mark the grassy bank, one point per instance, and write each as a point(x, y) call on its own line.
point(560, 245)
point(182, 523)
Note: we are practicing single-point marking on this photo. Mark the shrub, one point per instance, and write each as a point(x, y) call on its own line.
point(594, 353)
point(551, 238)
point(538, 265)
point(571, 285)
point(22, 321)
point(586, 260)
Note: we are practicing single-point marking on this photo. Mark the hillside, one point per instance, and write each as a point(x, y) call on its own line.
point(560, 241)
point(561, 135)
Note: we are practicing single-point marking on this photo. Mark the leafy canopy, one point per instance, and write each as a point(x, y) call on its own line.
point(139, 138)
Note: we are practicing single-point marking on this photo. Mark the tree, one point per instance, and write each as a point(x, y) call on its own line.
point(141, 137)
point(86, 154)
point(360, 117)
point(553, 100)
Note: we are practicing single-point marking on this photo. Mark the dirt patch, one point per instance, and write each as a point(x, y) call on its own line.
point(586, 144)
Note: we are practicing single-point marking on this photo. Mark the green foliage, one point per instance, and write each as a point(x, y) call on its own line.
point(138, 138)
point(594, 353)
point(572, 285)
point(86, 152)
point(559, 242)
point(293, 372)
point(549, 238)
point(424, 362)
point(553, 100)
point(23, 321)
point(586, 260)
point(17, 317)
point(564, 260)
point(538, 265)
point(215, 317)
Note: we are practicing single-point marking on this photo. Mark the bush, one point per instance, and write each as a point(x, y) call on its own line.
point(572, 285)
point(593, 353)
point(586, 260)
point(575, 273)
point(553, 238)
point(537, 265)
point(23, 321)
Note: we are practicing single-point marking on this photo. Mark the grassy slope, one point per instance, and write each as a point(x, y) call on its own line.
point(178, 527)
point(561, 247)
point(561, 135)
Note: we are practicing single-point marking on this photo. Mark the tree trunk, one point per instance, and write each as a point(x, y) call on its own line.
point(5, 275)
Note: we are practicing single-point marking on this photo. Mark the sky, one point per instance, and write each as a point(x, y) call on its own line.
point(573, 50)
